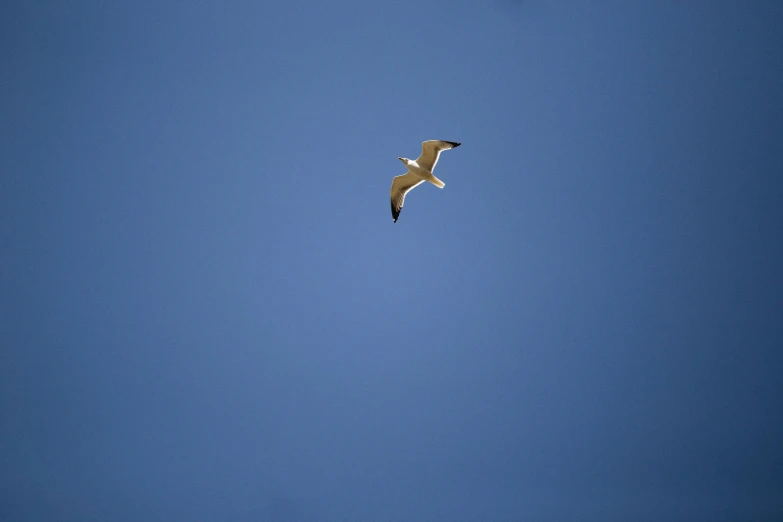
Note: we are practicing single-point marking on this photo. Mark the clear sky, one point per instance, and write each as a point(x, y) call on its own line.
point(207, 314)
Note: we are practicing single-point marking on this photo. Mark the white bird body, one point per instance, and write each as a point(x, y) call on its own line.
point(419, 171)
point(422, 173)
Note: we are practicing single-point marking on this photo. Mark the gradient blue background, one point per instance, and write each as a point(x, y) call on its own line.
point(206, 312)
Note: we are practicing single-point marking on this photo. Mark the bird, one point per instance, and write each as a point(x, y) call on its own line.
point(419, 171)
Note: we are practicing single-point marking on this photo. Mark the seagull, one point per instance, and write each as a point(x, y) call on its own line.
point(419, 171)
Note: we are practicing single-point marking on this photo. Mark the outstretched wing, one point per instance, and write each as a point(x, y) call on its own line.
point(401, 185)
point(430, 152)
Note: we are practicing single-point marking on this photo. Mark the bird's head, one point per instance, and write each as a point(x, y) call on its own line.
point(404, 160)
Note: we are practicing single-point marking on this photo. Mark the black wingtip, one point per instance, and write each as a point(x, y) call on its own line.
point(454, 144)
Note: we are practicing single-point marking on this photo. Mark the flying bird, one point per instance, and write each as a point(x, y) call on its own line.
point(419, 171)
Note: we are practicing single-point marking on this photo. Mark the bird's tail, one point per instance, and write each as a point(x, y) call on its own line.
point(435, 181)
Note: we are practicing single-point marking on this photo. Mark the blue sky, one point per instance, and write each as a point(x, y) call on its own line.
point(206, 312)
